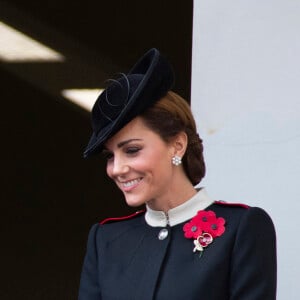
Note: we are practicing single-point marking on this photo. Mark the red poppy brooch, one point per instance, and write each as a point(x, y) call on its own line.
point(203, 228)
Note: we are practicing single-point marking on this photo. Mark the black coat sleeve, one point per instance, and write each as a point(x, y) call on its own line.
point(89, 288)
point(253, 269)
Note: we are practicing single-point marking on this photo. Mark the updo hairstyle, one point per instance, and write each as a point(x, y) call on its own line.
point(170, 116)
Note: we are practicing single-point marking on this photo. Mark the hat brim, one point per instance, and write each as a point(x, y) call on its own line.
point(158, 79)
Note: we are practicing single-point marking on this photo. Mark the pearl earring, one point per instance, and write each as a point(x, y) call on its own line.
point(176, 160)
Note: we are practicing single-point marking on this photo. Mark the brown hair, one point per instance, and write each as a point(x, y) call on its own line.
point(171, 115)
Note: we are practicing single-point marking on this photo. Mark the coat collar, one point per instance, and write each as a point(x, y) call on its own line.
point(180, 213)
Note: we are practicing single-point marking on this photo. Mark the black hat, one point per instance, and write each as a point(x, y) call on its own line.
point(129, 96)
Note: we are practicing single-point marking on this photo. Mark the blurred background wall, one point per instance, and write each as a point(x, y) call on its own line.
point(50, 195)
point(246, 95)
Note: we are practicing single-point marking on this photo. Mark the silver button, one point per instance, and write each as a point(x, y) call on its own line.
point(163, 234)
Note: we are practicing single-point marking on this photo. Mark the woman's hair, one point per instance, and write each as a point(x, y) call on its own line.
point(171, 115)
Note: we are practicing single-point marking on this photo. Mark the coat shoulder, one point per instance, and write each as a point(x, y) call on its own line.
point(231, 210)
point(231, 204)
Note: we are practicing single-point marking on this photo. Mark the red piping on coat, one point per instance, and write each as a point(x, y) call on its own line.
point(137, 213)
point(232, 204)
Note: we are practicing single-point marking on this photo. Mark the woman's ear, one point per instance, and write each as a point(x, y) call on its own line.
point(180, 143)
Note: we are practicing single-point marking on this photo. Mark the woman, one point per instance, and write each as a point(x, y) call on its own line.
point(184, 245)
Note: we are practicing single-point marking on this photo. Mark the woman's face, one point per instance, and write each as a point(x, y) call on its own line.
point(139, 162)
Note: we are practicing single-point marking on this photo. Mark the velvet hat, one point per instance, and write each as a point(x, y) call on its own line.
point(129, 96)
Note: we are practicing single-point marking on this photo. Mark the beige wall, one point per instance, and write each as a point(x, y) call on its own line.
point(246, 97)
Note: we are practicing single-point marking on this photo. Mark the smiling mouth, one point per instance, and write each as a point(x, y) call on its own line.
point(131, 183)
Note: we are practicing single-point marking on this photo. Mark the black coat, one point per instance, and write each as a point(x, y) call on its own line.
point(125, 260)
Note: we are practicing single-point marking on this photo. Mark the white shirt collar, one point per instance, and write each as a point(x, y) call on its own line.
point(180, 213)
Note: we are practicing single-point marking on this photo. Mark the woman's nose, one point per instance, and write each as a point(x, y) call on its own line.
point(120, 167)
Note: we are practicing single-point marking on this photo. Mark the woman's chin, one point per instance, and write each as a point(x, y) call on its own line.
point(134, 201)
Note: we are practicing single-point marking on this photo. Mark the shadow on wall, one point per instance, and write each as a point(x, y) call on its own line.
point(50, 195)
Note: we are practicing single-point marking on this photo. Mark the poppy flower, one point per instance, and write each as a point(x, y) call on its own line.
point(204, 227)
point(193, 228)
point(210, 223)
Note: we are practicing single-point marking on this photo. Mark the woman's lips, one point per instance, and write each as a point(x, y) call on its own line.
point(130, 184)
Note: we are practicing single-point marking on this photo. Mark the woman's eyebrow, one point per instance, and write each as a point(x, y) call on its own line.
point(121, 144)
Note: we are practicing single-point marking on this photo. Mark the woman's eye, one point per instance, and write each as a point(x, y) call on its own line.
point(132, 150)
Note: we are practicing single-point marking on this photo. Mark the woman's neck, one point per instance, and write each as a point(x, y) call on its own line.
point(175, 196)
